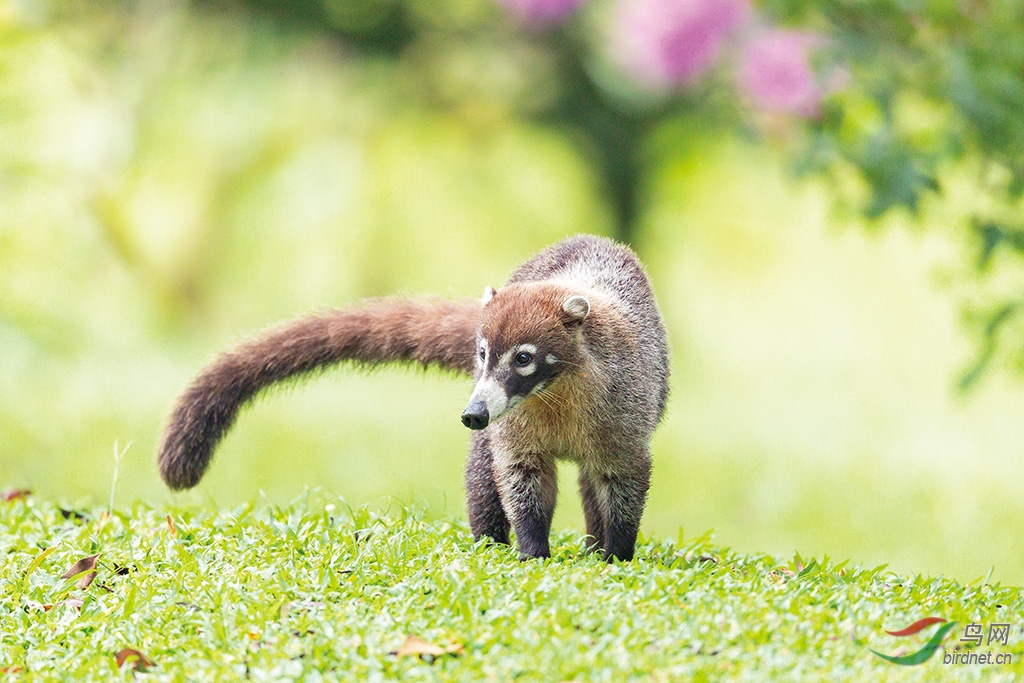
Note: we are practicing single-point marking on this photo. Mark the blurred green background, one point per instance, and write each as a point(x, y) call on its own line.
point(176, 176)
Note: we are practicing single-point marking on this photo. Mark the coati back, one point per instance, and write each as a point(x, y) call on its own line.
point(570, 360)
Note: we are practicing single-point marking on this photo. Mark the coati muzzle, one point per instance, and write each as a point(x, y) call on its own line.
point(476, 416)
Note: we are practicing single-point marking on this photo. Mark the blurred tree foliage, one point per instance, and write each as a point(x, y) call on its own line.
point(936, 91)
point(894, 101)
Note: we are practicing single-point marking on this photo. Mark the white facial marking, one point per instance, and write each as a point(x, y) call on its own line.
point(505, 360)
point(527, 370)
point(550, 359)
point(493, 396)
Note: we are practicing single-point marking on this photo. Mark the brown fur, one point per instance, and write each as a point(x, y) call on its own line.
point(431, 332)
point(561, 418)
point(571, 362)
point(596, 406)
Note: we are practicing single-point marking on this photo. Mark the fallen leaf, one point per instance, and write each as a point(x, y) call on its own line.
point(300, 605)
point(14, 494)
point(11, 670)
point(170, 525)
point(73, 603)
point(84, 567)
point(414, 646)
point(690, 557)
point(134, 659)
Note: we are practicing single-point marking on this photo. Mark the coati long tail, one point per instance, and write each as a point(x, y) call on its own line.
point(427, 331)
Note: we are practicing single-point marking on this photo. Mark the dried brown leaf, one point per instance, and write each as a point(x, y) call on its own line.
point(14, 494)
point(85, 567)
point(134, 659)
point(77, 515)
point(74, 603)
point(300, 605)
point(414, 646)
point(170, 525)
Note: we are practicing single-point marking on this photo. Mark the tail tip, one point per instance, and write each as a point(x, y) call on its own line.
point(178, 470)
point(178, 479)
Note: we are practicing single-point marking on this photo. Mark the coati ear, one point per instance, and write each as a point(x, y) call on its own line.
point(488, 295)
point(577, 307)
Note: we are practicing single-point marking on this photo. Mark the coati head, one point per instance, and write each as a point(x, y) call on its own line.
point(529, 334)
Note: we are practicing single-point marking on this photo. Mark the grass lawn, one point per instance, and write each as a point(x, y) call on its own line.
point(316, 590)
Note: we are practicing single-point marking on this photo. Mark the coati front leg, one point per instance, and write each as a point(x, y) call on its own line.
point(593, 511)
point(613, 503)
point(486, 514)
point(528, 487)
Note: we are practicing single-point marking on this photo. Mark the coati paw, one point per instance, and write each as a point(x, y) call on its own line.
point(496, 538)
point(542, 555)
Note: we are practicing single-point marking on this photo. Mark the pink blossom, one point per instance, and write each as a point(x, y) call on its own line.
point(671, 42)
point(541, 12)
point(776, 75)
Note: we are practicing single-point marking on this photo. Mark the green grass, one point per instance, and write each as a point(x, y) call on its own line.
point(316, 590)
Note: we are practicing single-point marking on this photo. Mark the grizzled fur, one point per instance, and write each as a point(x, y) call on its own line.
point(598, 402)
point(430, 332)
point(570, 360)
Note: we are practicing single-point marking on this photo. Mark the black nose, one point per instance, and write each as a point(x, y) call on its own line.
point(476, 415)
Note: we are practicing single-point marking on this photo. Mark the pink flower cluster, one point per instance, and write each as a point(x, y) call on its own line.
point(776, 75)
point(671, 42)
point(668, 44)
point(540, 13)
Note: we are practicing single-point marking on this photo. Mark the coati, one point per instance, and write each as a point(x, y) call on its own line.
point(570, 359)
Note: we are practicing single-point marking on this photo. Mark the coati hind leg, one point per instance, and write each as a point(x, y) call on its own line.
point(528, 487)
point(486, 514)
point(613, 504)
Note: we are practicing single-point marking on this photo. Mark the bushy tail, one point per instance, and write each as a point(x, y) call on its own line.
point(431, 332)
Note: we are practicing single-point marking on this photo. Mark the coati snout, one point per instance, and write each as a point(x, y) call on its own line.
point(476, 416)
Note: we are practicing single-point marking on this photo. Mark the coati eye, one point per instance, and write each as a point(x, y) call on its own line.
point(483, 353)
point(524, 358)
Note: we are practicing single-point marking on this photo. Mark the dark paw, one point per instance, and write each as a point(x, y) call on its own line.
point(538, 554)
point(621, 555)
point(497, 539)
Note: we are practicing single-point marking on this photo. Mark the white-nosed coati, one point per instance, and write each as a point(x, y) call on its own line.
point(571, 362)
